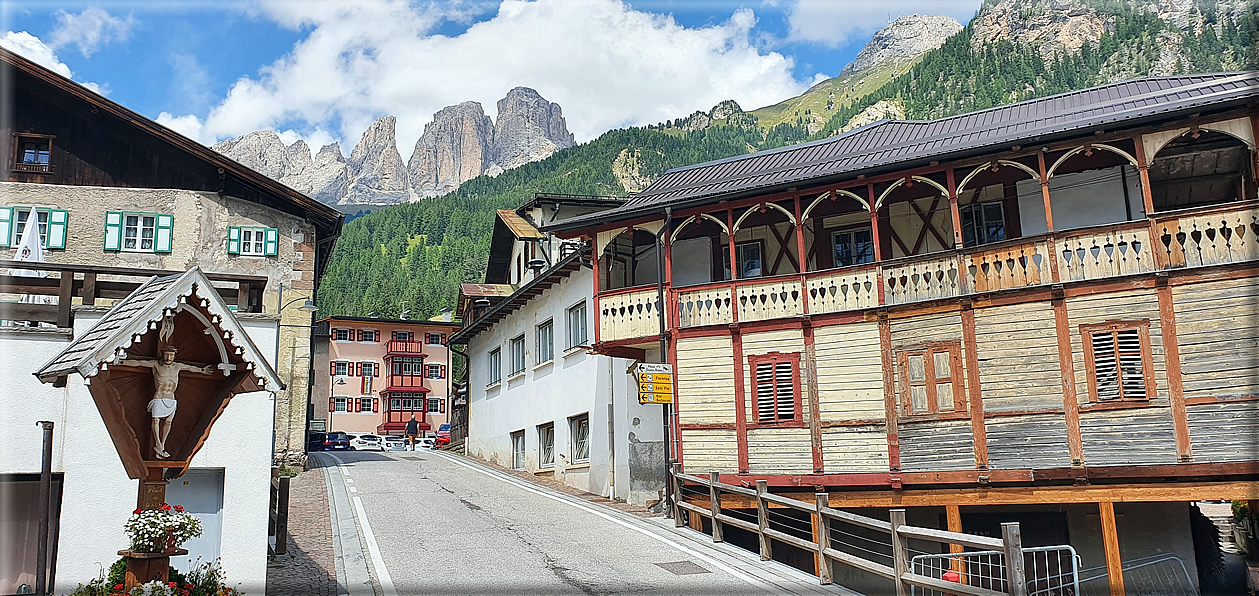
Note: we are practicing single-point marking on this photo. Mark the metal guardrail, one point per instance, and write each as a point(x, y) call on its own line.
point(1050, 570)
point(905, 578)
point(1157, 574)
point(278, 512)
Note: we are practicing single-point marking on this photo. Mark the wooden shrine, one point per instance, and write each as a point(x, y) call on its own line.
point(162, 365)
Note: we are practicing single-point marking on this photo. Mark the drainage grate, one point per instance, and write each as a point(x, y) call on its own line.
point(682, 568)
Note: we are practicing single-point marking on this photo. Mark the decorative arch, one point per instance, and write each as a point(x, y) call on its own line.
point(1082, 148)
point(834, 193)
point(738, 222)
point(1005, 162)
point(694, 219)
point(899, 181)
point(1238, 128)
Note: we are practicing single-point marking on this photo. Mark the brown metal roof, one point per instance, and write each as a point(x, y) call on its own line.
point(486, 290)
point(892, 144)
point(519, 226)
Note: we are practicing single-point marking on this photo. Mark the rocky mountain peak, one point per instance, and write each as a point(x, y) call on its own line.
point(528, 126)
point(380, 174)
point(454, 148)
point(724, 109)
point(904, 38)
point(1051, 26)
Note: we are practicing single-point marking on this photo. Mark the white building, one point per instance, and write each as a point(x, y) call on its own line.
point(538, 399)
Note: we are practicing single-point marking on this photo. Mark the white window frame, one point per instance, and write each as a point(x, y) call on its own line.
point(517, 355)
point(252, 238)
point(518, 450)
point(349, 334)
point(337, 364)
point(546, 341)
point(19, 224)
point(579, 441)
point(546, 445)
point(139, 228)
point(577, 334)
point(850, 240)
point(434, 405)
point(340, 403)
point(495, 362)
point(432, 371)
point(428, 339)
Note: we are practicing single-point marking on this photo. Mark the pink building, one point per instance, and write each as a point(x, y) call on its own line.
point(372, 375)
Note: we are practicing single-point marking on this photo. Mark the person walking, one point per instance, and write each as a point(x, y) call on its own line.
point(413, 429)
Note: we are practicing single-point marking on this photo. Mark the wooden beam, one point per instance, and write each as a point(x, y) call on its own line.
point(1044, 193)
point(979, 432)
point(953, 514)
point(1031, 495)
point(815, 409)
point(64, 294)
point(1066, 364)
point(740, 405)
point(1175, 385)
point(889, 394)
point(1110, 543)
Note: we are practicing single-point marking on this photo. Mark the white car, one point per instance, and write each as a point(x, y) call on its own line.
point(366, 442)
point(426, 444)
point(395, 443)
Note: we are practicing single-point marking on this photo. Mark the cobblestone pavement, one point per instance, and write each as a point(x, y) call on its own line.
point(307, 569)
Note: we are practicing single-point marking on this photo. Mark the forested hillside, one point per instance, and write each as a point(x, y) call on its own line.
point(412, 257)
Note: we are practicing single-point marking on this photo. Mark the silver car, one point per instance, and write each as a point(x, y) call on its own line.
point(395, 444)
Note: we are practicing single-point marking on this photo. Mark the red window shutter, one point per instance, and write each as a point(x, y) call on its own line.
point(358, 405)
point(360, 335)
point(375, 370)
point(332, 404)
point(375, 405)
point(443, 339)
point(441, 406)
point(443, 372)
point(332, 369)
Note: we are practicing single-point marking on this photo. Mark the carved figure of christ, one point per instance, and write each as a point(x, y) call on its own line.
point(165, 382)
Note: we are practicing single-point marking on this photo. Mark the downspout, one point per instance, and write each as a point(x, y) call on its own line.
point(664, 349)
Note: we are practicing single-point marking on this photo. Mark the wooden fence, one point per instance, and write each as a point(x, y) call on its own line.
point(278, 513)
point(1012, 575)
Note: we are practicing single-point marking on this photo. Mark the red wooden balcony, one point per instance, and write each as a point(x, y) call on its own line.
point(410, 348)
point(405, 383)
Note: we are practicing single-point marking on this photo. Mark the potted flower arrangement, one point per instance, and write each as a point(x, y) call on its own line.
point(161, 530)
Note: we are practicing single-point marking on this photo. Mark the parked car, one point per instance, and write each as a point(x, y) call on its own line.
point(395, 443)
point(328, 441)
point(426, 443)
point(366, 442)
point(443, 435)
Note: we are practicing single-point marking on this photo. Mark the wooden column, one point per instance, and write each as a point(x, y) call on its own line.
point(900, 551)
point(874, 224)
point(1066, 364)
point(1143, 168)
point(1171, 356)
point(65, 294)
point(979, 432)
point(714, 505)
point(809, 365)
point(89, 291)
point(890, 406)
point(740, 405)
point(762, 519)
point(953, 208)
point(1110, 542)
point(1044, 191)
point(953, 514)
point(594, 264)
point(801, 254)
point(822, 537)
point(734, 258)
point(676, 469)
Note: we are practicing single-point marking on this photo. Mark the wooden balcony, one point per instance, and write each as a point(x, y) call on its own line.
point(88, 283)
point(1202, 237)
point(405, 348)
point(412, 383)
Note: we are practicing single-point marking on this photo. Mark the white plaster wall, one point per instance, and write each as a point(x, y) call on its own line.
point(98, 496)
point(574, 383)
point(1081, 199)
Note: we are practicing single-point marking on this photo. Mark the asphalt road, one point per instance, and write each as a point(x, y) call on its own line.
point(443, 526)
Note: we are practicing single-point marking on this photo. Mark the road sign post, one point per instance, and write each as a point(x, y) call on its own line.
point(655, 383)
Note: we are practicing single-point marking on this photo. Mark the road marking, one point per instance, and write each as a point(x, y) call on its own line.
point(373, 550)
point(349, 479)
point(711, 561)
point(353, 489)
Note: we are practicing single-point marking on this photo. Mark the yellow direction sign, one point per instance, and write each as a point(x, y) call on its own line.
point(655, 383)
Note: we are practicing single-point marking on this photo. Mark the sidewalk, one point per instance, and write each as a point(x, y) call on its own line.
point(308, 569)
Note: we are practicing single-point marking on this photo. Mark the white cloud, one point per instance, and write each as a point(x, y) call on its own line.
point(190, 126)
point(32, 48)
point(835, 23)
point(607, 64)
point(89, 30)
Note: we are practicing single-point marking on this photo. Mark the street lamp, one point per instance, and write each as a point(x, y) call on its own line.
point(307, 307)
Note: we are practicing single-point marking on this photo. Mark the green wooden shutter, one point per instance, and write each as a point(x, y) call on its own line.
point(271, 242)
point(233, 240)
point(162, 241)
point(113, 230)
point(57, 220)
point(6, 225)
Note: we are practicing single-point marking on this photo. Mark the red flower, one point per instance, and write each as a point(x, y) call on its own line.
point(189, 586)
point(137, 511)
point(118, 587)
point(165, 507)
point(170, 584)
point(179, 508)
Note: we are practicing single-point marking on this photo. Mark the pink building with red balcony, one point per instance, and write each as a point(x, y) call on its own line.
point(372, 375)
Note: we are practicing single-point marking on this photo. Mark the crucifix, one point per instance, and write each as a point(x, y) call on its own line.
point(165, 381)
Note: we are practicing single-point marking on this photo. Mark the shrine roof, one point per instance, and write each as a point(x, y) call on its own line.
point(106, 341)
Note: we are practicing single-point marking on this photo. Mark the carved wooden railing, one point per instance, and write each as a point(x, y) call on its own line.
point(846, 289)
point(1013, 266)
point(1229, 235)
point(923, 279)
point(770, 299)
point(627, 315)
point(1111, 252)
point(704, 306)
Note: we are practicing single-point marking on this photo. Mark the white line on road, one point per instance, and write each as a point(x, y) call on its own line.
point(520, 484)
point(353, 489)
point(373, 550)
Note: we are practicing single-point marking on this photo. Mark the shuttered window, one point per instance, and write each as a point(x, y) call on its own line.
point(1118, 359)
point(931, 379)
point(776, 387)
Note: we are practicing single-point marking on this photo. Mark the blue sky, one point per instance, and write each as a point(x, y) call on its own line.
point(322, 70)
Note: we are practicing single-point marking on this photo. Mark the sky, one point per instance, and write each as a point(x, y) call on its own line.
point(323, 70)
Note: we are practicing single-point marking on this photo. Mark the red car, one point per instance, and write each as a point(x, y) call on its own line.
point(443, 436)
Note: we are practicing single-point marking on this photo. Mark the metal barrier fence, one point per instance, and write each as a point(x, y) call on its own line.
point(1158, 574)
point(872, 545)
point(1049, 570)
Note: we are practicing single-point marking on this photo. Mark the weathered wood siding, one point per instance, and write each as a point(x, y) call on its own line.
point(710, 450)
point(849, 372)
point(915, 330)
point(779, 451)
point(786, 341)
point(1022, 442)
point(1017, 348)
point(1127, 306)
point(705, 378)
point(1217, 328)
point(853, 449)
point(1142, 436)
point(1224, 432)
point(936, 446)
